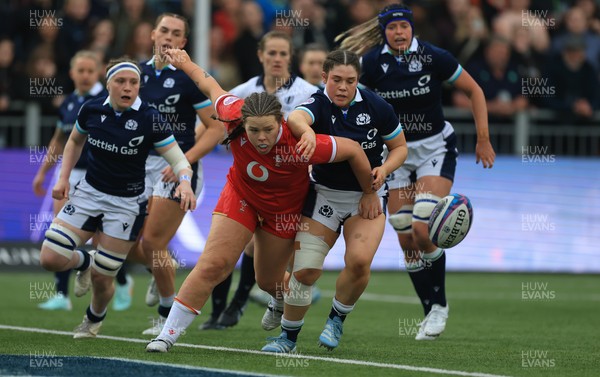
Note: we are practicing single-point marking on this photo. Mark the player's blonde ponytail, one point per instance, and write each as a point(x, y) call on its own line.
point(361, 38)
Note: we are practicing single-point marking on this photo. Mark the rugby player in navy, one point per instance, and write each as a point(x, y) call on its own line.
point(110, 199)
point(275, 54)
point(178, 102)
point(408, 73)
point(85, 73)
point(335, 198)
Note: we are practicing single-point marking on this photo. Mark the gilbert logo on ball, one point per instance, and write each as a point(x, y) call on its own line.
point(450, 221)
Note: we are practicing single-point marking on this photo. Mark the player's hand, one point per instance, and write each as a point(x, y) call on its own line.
point(186, 196)
point(485, 153)
point(38, 185)
point(379, 175)
point(168, 175)
point(306, 145)
point(61, 189)
point(177, 57)
point(369, 206)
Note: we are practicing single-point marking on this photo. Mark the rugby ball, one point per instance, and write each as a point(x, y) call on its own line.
point(450, 221)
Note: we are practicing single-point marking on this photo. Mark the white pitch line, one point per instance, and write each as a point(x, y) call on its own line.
point(516, 296)
point(254, 352)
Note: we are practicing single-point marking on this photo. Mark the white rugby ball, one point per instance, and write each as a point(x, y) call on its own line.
point(450, 221)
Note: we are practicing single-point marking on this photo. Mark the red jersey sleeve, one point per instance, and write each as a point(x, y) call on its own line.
point(229, 110)
point(325, 150)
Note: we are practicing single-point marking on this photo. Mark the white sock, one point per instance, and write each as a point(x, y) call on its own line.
point(180, 318)
point(277, 304)
point(291, 325)
point(167, 302)
point(98, 314)
point(341, 308)
point(81, 258)
point(434, 255)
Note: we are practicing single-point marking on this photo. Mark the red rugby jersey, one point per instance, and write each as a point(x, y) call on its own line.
point(276, 182)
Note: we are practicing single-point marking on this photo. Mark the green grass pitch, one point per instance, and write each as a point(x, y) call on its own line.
point(499, 324)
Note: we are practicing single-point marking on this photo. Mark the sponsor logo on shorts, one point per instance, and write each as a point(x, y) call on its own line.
point(69, 209)
point(434, 162)
point(326, 211)
point(125, 226)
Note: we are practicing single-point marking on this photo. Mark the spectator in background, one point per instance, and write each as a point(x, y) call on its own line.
point(422, 20)
point(40, 81)
point(574, 81)
point(131, 13)
point(462, 30)
point(577, 25)
point(591, 9)
point(101, 40)
point(361, 11)
point(7, 55)
point(228, 17)
point(139, 46)
point(222, 66)
point(498, 76)
point(312, 58)
point(73, 32)
point(307, 19)
point(244, 47)
point(527, 32)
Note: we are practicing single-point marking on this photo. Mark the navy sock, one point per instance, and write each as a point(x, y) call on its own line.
point(122, 275)
point(164, 311)
point(92, 317)
point(292, 328)
point(334, 313)
point(422, 284)
point(219, 296)
point(292, 334)
point(247, 279)
point(437, 276)
point(62, 282)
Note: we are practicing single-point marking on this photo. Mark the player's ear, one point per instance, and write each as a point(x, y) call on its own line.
point(259, 55)
point(324, 76)
point(183, 43)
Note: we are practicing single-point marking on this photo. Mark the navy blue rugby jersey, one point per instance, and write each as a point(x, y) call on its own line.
point(119, 144)
point(369, 120)
point(67, 115)
point(412, 84)
point(177, 99)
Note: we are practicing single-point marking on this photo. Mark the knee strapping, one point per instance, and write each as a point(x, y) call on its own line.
point(299, 294)
point(61, 240)
point(107, 262)
point(424, 205)
point(401, 221)
point(312, 252)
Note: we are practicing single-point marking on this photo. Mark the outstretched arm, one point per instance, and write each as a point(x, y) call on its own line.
point(483, 150)
point(299, 122)
point(205, 82)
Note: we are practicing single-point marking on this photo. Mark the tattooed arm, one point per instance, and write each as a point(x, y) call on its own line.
point(205, 82)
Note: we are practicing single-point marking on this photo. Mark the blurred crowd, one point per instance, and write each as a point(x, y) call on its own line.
point(523, 53)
